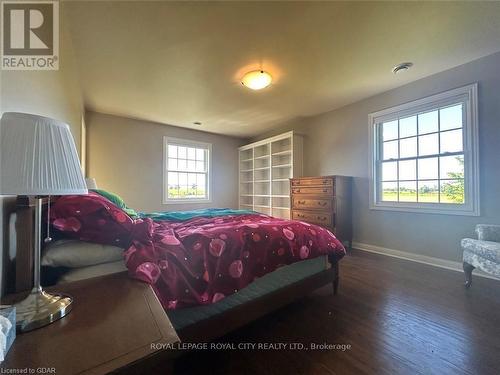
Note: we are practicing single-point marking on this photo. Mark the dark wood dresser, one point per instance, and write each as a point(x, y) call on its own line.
point(325, 201)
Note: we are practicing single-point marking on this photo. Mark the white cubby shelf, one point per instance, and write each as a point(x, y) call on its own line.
point(265, 168)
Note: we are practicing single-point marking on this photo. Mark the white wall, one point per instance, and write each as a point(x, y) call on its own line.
point(125, 156)
point(55, 94)
point(337, 143)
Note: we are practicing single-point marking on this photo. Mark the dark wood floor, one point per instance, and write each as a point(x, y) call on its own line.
point(399, 318)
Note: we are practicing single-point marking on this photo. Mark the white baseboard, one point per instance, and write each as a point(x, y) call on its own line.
point(425, 259)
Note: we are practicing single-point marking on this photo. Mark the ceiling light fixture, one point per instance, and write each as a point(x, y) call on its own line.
point(256, 80)
point(403, 67)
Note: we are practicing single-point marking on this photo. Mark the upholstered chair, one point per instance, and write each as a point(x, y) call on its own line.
point(483, 253)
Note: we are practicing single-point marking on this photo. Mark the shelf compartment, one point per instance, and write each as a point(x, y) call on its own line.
point(281, 145)
point(282, 173)
point(260, 151)
point(280, 212)
point(262, 201)
point(246, 155)
point(263, 210)
point(262, 174)
point(246, 200)
point(282, 159)
point(281, 202)
point(263, 189)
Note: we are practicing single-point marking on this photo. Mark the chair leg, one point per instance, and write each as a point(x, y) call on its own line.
point(468, 268)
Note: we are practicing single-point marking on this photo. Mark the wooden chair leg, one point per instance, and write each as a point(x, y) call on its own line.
point(468, 268)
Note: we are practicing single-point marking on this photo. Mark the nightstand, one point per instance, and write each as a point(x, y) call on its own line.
point(113, 324)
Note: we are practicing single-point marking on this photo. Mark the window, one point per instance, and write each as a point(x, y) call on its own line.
point(187, 171)
point(425, 156)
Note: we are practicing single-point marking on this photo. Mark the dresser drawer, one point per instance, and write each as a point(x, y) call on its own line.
point(313, 190)
point(314, 181)
point(321, 218)
point(299, 202)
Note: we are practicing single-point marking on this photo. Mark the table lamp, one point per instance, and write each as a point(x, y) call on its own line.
point(38, 158)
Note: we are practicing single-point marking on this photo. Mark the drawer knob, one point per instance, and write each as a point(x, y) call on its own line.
point(325, 182)
point(323, 204)
point(300, 215)
point(325, 191)
point(322, 218)
point(301, 202)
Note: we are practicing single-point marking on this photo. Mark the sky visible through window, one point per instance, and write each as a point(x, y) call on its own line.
point(422, 157)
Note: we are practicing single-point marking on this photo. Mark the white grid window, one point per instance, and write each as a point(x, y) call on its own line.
point(424, 155)
point(187, 171)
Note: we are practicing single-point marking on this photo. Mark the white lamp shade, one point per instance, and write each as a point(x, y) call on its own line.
point(91, 183)
point(38, 157)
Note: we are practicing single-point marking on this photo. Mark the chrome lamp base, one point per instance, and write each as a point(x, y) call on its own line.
point(41, 308)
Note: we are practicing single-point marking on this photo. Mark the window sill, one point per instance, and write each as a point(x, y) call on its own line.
point(450, 210)
point(186, 201)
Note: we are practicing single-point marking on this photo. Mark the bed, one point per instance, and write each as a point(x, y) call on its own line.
point(241, 298)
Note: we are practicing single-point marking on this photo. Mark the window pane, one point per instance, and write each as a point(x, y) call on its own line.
point(201, 182)
point(452, 191)
point(173, 185)
point(191, 165)
point(191, 153)
point(451, 167)
point(428, 144)
point(183, 179)
point(390, 150)
point(182, 152)
point(390, 130)
point(428, 169)
point(408, 170)
point(172, 164)
point(172, 151)
point(408, 127)
point(390, 171)
point(192, 184)
point(200, 166)
point(182, 164)
point(428, 122)
point(200, 154)
point(173, 178)
point(451, 141)
point(408, 191)
point(428, 191)
point(390, 191)
point(408, 147)
point(451, 117)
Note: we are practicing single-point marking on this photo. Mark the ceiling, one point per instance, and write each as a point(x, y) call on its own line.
point(180, 62)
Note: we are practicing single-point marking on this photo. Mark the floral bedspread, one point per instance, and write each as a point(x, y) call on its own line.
point(197, 261)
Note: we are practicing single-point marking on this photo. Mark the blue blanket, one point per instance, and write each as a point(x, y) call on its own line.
point(186, 215)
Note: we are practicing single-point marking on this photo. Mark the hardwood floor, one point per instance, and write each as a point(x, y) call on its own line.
point(399, 317)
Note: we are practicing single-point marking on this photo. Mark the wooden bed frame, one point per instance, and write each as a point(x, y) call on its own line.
point(203, 331)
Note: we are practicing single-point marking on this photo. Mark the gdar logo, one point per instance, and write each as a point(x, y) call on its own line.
point(30, 35)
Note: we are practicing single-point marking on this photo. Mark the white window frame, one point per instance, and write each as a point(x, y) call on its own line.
point(186, 143)
point(467, 95)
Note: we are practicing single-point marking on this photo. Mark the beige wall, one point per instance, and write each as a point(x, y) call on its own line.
point(337, 143)
point(125, 156)
point(55, 94)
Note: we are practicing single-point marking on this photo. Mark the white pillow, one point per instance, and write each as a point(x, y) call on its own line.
point(74, 254)
point(92, 271)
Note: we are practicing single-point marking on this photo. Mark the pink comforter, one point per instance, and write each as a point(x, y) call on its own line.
point(198, 261)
